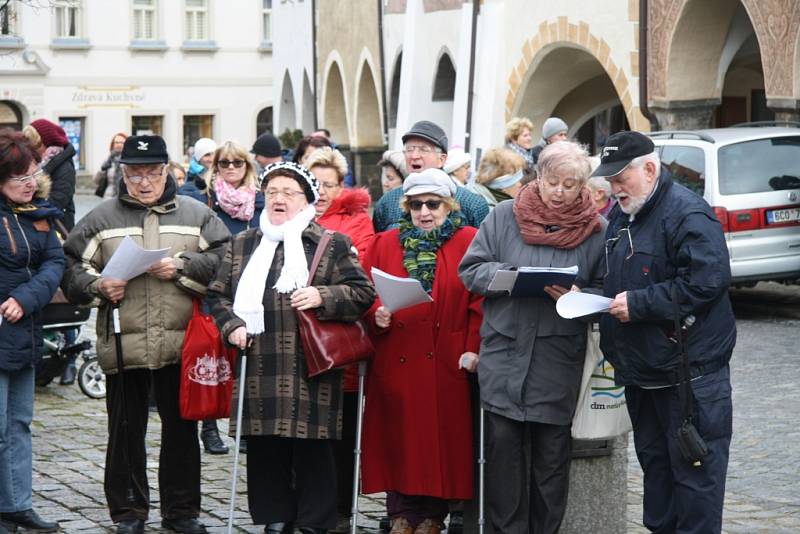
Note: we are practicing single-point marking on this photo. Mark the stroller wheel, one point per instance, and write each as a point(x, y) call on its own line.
point(92, 379)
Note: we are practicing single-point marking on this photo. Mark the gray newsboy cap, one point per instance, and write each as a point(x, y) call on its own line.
point(430, 132)
point(433, 180)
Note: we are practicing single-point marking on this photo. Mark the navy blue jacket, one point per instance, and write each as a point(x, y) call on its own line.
point(196, 188)
point(31, 265)
point(678, 241)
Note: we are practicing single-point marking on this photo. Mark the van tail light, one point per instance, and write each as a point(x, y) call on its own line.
point(722, 216)
point(742, 220)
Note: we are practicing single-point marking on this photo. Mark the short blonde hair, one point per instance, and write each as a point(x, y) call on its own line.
point(499, 162)
point(33, 136)
point(328, 157)
point(565, 156)
point(515, 127)
point(450, 202)
point(236, 150)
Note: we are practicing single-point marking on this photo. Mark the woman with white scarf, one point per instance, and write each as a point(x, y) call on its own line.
point(289, 419)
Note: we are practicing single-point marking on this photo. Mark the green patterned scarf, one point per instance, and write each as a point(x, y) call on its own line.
point(420, 248)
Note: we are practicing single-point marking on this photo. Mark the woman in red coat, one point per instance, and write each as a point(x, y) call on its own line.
point(417, 426)
point(344, 211)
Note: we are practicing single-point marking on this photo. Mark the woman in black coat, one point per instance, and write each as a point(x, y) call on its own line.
point(56, 153)
point(31, 265)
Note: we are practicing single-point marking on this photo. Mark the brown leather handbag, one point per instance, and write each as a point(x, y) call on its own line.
point(330, 344)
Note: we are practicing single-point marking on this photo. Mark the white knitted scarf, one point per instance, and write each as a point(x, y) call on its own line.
point(248, 302)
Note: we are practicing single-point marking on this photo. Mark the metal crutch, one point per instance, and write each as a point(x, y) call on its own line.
point(362, 372)
point(240, 406)
point(481, 464)
point(126, 450)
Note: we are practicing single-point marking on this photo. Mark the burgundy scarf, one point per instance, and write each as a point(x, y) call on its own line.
point(564, 228)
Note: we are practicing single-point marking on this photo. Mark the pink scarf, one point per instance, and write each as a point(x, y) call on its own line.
point(239, 203)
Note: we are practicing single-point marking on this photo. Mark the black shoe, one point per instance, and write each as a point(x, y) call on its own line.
point(68, 375)
point(456, 523)
point(130, 526)
point(188, 525)
point(279, 528)
point(29, 520)
point(212, 443)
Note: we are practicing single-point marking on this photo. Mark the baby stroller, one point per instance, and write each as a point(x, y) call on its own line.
point(59, 318)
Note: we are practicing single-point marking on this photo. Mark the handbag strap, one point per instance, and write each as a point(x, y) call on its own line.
point(327, 235)
point(684, 372)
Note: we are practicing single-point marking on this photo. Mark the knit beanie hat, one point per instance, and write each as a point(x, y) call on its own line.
point(552, 126)
point(307, 181)
point(52, 134)
point(203, 146)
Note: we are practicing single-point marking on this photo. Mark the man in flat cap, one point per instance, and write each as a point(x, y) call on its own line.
point(668, 265)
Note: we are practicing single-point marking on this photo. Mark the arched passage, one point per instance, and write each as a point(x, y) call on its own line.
point(10, 115)
point(567, 81)
point(394, 91)
point(308, 105)
point(368, 131)
point(443, 92)
point(287, 115)
point(264, 122)
point(334, 108)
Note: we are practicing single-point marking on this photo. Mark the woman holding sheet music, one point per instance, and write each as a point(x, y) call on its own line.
point(530, 358)
point(417, 427)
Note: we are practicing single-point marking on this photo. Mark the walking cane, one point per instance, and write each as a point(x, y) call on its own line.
point(481, 464)
point(240, 405)
point(120, 370)
point(362, 372)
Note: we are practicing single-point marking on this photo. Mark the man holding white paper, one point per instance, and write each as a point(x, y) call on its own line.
point(154, 309)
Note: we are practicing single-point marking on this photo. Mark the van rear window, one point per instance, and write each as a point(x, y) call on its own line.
point(760, 166)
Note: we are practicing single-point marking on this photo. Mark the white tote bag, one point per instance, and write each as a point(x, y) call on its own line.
point(602, 412)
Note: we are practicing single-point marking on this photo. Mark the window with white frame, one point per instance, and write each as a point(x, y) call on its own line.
point(196, 28)
point(266, 21)
point(67, 17)
point(8, 18)
point(145, 20)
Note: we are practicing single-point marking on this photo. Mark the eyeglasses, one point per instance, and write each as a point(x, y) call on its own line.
point(416, 205)
point(564, 189)
point(410, 149)
point(611, 243)
point(329, 187)
point(27, 178)
point(287, 193)
point(151, 176)
point(225, 163)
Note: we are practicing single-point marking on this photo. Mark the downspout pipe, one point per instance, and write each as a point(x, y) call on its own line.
point(643, 106)
point(314, 62)
point(476, 7)
point(385, 100)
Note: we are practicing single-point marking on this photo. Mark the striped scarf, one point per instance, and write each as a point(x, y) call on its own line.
point(420, 248)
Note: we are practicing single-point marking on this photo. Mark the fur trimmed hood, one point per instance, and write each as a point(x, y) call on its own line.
point(43, 187)
point(351, 201)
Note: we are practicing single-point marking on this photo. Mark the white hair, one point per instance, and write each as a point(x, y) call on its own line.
point(640, 161)
point(597, 183)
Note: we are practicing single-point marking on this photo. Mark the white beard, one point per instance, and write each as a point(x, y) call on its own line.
point(634, 205)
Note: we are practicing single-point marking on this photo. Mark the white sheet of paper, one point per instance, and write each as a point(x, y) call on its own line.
point(130, 260)
point(397, 293)
point(575, 304)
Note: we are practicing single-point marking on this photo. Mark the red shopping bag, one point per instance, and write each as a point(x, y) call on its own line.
point(206, 370)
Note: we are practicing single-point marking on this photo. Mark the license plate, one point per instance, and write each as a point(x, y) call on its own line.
point(783, 216)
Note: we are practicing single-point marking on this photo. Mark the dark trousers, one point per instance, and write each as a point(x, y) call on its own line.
point(678, 497)
point(527, 475)
point(344, 453)
point(291, 480)
point(179, 460)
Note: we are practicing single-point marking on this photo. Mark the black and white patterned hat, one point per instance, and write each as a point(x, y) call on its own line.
point(307, 182)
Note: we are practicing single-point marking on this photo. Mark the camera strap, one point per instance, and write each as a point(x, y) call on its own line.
point(685, 393)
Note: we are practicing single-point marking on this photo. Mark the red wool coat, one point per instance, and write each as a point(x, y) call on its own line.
point(348, 215)
point(417, 425)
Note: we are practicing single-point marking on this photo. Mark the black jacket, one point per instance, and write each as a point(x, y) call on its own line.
point(677, 240)
point(62, 174)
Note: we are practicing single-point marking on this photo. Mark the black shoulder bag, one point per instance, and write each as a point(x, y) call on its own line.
point(691, 444)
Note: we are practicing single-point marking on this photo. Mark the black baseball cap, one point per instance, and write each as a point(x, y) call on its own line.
point(144, 150)
point(621, 148)
point(267, 145)
point(430, 132)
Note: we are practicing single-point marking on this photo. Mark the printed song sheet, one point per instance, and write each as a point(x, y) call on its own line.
point(397, 293)
point(130, 260)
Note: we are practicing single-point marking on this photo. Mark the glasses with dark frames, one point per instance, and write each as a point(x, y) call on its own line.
point(416, 205)
point(225, 163)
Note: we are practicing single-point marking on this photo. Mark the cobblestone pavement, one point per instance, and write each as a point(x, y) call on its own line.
point(69, 434)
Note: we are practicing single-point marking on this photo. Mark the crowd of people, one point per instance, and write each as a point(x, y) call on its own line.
point(242, 226)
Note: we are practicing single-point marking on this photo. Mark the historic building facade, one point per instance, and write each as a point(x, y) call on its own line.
point(183, 69)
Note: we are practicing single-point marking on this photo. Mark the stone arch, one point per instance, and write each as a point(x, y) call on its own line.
point(265, 121)
point(308, 105)
point(287, 115)
point(368, 131)
point(334, 101)
point(394, 89)
point(12, 114)
point(444, 79)
point(575, 43)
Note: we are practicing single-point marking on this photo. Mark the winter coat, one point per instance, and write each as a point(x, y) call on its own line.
point(417, 424)
point(61, 170)
point(280, 399)
point(531, 358)
point(31, 265)
point(196, 188)
point(109, 176)
point(677, 241)
point(154, 313)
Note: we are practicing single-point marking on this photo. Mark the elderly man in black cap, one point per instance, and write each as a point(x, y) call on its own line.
point(425, 147)
point(670, 335)
point(154, 309)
